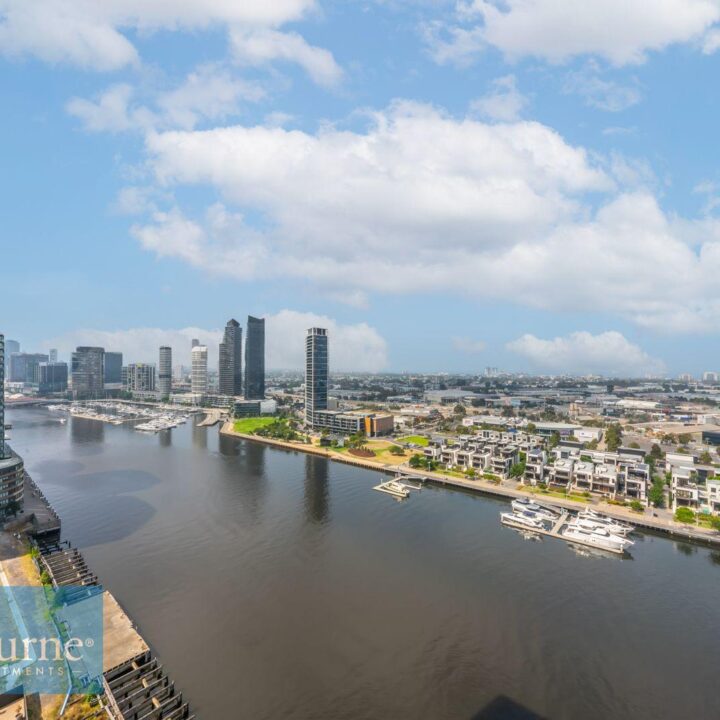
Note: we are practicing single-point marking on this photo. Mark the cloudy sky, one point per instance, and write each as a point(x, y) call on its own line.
point(529, 184)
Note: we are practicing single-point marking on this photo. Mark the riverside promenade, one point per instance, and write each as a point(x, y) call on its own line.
point(506, 489)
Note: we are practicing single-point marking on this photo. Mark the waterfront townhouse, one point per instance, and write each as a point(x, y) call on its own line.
point(583, 474)
point(560, 474)
point(535, 463)
point(684, 488)
point(604, 481)
point(503, 459)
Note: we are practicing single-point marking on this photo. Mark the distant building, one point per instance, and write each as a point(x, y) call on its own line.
point(113, 368)
point(230, 363)
point(194, 343)
point(199, 373)
point(140, 377)
point(87, 372)
point(53, 355)
point(711, 377)
point(254, 408)
point(255, 359)
point(165, 371)
point(355, 422)
point(25, 367)
point(53, 378)
point(11, 347)
point(685, 377)
point(12, 473)
point(316, 373)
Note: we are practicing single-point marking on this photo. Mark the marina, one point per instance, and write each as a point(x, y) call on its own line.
point(561, 524)
point(153, 418)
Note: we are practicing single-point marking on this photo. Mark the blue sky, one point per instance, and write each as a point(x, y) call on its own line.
point(531, 185)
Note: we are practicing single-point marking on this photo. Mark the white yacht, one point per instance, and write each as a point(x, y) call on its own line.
point(392, 487)
point(610, 524)
point(524, 519)
point(597, 537)
point(521, 505)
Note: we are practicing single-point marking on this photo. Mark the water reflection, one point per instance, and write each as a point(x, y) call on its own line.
point(317, 495)
point(251, 471)
point(165, 438)
point(86, 431)
point(228, 446)
point(199, 436)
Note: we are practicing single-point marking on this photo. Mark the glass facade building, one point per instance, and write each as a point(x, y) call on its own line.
point(316, 373)
point(165, 371)
point(255, 359)
point(88, 372)
point(230, 362)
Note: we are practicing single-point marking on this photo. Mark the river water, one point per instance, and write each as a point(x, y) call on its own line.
point(275, 584)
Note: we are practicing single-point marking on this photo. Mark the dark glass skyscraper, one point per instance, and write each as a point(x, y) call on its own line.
point(255, 359)
point(88, 377)
point(113, 368)
point(230, 364)
point(25, 367)
point(53, 378)
point(316, 373)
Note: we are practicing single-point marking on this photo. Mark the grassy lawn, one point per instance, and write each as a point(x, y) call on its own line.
point(415, 439)
point(250, 425)
point(557, 494)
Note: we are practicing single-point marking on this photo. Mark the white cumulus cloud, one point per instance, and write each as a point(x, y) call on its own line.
point(93, 34)
point(621, 31)
point(424, 202)
point(608, 353)
point(258, 46)
point(504, 101)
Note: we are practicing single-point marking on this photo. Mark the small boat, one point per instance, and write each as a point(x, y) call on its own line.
point(522, 519)
point(524, 505)
point(597, 538)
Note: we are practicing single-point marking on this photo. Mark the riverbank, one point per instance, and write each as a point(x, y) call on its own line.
point(501, 489)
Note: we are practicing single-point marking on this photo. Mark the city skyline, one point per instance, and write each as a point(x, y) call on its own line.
point(569, 222)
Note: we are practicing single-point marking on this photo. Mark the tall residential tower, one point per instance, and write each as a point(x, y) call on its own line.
point(255, 359)
point(230, 364)
point(165, 371)
point(316, 373)
point(199, 376)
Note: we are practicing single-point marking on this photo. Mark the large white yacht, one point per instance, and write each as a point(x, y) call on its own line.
point(597, 537)
point(521, 505)
point(610, 524)
point(525, 519)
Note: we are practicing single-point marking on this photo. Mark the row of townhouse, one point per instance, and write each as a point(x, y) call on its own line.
point(692, 485)
point(615, 475)
point(568, 467)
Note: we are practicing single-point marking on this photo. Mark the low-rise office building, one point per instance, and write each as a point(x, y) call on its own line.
point(351, 423)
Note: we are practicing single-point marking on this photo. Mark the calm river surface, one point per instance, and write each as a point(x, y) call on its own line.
point(278, 585)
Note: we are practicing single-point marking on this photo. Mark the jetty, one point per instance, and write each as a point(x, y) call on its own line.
point(135, 685)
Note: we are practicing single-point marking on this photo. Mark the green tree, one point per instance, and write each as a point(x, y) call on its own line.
point(517, 470)
point(459, 410)
point(656, 494)
point(635, 446)
point(613, 437)
point(684, 515)
point(555, 439)
point(705, 458)
point(684, 438)
point(416, 461)
point(396, 450)
point(531, 428)
point(637, 506)
point(656, 452)
point(715, 522)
